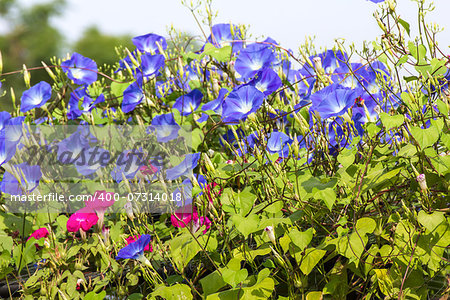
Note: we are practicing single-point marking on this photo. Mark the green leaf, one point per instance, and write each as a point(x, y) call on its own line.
point(94, 296)
point(417, 51)
point(328, 196)
point(301, 239)
point(347, 156)
point(404, 25)
point(314, 296)
point(365, 225)
point(247, 199)
point(233, 277)
point(425, 137)
point(391, 121)
point(177, 291)
point(212, 283)
point(402, 60)
point(221, 54)
point(310, 260)
point(443, 107)
point(430, 221)
point(6, 242)
point(246, 225)
point(118, 88)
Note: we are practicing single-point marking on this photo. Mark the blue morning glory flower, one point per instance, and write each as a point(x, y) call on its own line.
point(267, 81)
point(254, 58)
point(240, 103)
point(91, 159)
point(221, 36)
point(36, 96)
point(29, 179)
point(135, 250)
point(216, 105)
point(80, 69)
point(188, 103)
point(76, 109)
point(376, 1)
point(147, 43)
point(132, 97)
point(333, 100)
point(4, 117)
point(7, 149)
point(128, 164)
point(279, 142)
point(151, 64)
point(185, 167)
point(71, 148)
point(330, 61)
point(13, 130)
point(166, 127)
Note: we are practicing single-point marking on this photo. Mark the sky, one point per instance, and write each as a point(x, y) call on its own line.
point(286, 21)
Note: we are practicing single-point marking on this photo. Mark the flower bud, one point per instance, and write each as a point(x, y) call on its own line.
point(129, 210)
point(26, 76)
point(270, 234)
point(422, 182)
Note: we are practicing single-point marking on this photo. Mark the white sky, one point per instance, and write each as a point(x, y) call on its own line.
point(286, 21)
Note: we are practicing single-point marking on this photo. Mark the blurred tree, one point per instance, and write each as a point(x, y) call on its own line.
point(31, 39)
point(101, 47)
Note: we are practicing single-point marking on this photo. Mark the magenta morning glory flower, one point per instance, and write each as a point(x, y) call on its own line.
point(80, 69)
point(82, 219)
point(36, 96)
point(99, 203)
point(135, 250)
point(188, 216)
point(188, 103)
point(147, 43)
point(333, 100)
point(132, 97)
point(240, 103)
point(254, 58)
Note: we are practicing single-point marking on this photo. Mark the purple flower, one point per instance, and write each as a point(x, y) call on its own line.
point(266, 81)
point(333, 100)
point(151, 64)
point(188, 103)
point(135, 250)
point(29, 179)
point(216, 105)
point(132, 97)
point(254, 58)
point(186, 166)
point(241, 103)
point(127, 165)
point(279, 142)
point(221, 35)
point(147, 43)
point(376, 1)
point(87, 103)
point(36, 96)
point(166, 128)
point(80, 69)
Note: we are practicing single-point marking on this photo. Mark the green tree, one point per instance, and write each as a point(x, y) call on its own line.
point(32, 39)
point(100, 47)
